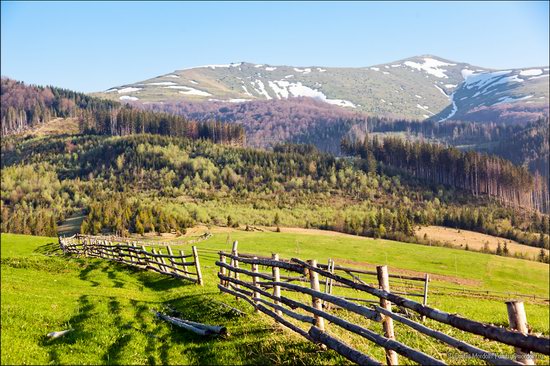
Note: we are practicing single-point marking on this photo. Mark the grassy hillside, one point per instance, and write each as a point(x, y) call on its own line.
point(108, 304)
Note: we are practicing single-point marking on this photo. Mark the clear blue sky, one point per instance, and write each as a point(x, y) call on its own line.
point(91, 46)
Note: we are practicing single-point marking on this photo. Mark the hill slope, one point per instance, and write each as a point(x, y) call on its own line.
point(417, 88)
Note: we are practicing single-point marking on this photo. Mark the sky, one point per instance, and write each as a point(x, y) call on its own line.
point(92, 46)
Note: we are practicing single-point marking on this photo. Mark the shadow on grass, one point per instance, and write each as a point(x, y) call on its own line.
point(49, 249)
point(85, 308)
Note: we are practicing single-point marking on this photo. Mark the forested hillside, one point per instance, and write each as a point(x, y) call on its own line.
point(148, 183)
point(477, 173)
point(267, 123)
point(309, 121)
point(26, 107)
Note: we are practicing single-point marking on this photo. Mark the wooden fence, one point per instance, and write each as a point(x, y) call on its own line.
point(135, 254)
point(263, 290)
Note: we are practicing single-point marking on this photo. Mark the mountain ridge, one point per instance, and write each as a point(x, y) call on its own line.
point(419, 87)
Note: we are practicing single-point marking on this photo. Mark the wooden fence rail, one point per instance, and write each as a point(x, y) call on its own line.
point(269, 296)
point(135, 254)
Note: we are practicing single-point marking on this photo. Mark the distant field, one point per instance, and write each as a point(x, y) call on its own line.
point(108, 304)
point(55, 127)
point(474, 240)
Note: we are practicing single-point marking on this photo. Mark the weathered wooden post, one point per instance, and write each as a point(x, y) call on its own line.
point(315, 302)
point(277, 278)
point(171, 259)
point(425, 300)
point(197, 265)
point(155, 259)
point(222, 270)
point(144, 256)
point(255, 283)
point(384, 283)
point(183, 263)
point(132, 252)
point(328, 283)
point(235, 262)
point(518, 321)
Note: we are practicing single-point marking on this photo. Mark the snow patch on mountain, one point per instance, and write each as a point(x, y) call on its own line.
point(453, 111)
point(304, 71)
point(261, 89)
point(162, 83)
point(280, 88)
point(340, 102)
point(425, 108)
point(538, 77)
point(441, 90)
point(193, 91)
point(531, 72)
point(321, 70)
point(127, 97)
point(193, 82)
point(375, 68)
point(431, 66)
point(503, 100)
point(270, 68)
point(246, 90)
point(480, 80)
point(172, 76)
point(129, 89)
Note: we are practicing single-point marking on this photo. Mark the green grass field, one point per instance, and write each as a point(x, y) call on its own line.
point(108, 305)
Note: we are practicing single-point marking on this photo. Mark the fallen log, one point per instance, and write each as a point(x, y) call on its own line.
point(197, 328)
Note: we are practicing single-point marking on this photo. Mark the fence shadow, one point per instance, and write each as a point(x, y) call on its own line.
point(49, 249)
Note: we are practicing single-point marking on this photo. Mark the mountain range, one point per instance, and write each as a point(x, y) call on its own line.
point(422, 88)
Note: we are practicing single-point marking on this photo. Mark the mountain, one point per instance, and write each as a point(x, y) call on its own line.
point(422, 87)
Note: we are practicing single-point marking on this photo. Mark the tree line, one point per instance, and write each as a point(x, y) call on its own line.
point(472, 171)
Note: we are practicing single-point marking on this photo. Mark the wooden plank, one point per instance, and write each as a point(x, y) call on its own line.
point(315, 301)
point(290, 313)
point(359, 309)
point(342, 348)
point(384, 283)
point(269, 263)
point(518, 322)
point(528, 342)
point(277, 278)
point(366, 333)
point(197, 265)
point(255, 283)
point(451, 341)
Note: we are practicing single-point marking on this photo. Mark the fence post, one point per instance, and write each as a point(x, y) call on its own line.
point(197, 265)
point(144, 256)
point(171, 259)
point(518, 321)
point(155, 259)
point(384, 283)
point(277, 278)
point(235, 262)
point(255, 283)
point(222, 271)
point(315, 302)
point(425, 300)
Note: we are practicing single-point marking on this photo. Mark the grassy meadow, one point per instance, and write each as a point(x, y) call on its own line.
point(108, 305)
